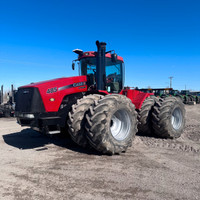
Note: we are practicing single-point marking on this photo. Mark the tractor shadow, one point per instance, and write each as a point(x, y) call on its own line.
point(30, 139)
point(149, 135)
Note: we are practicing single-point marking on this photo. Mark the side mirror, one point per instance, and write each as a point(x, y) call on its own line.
point(114, 57)
point(73, 66)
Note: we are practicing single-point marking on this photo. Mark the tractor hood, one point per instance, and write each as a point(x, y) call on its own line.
point(53, 91)
point(59, 82)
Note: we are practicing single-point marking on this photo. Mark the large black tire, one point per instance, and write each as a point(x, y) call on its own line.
point(192, 98)
point(76, 121)
point(180, 98)
point(111, 124)
point(197, 99)
point(144, 116)
point(186, 99)
point(168, 118)
point(1, 113)
point(7, 113)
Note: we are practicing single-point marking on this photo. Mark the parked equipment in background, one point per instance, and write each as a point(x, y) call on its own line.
point(196, 96)
point(96, 108)
point(190, 98)
point(8, 109)
point(185, 96)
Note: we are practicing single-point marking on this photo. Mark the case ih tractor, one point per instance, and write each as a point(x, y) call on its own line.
point(96, 108)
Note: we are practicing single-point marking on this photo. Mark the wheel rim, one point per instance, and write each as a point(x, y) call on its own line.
point(120, 125)
point(177, 118)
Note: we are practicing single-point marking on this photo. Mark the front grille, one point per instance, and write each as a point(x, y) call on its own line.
point(28, 100)
point(25, 122)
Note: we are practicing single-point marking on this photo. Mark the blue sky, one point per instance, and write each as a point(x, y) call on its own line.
point(156, 38)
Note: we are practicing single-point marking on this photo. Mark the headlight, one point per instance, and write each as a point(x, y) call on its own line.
point(22, 115)
point(30, 116)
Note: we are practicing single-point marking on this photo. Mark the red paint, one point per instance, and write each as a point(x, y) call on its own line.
point(53, 106)
point(94, 53)
point(103, 92)
point(137, 97)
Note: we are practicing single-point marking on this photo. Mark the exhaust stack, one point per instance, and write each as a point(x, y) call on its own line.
point(101, 63)
point(1, 95)
point(12, 93)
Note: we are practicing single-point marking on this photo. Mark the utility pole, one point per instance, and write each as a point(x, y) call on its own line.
point(171, 77)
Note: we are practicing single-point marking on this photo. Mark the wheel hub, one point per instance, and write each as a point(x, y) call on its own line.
point(120, 125)
point(177, 118)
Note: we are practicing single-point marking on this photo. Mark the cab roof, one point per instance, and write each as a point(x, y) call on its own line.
point(94, 53)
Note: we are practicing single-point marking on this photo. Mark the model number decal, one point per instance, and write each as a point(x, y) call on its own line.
point(82, 87)
point(52, 90)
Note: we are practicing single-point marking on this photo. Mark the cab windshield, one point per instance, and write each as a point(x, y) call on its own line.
point(114, 79)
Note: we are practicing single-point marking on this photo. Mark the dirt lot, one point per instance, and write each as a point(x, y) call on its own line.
point(33, 166)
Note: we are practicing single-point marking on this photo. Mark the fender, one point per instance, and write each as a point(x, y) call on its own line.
point(137, 97)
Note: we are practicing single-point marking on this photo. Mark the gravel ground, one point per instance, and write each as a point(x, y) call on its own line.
point(33, 166)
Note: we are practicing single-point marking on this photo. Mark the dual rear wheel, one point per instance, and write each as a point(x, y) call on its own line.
point(107, 123)
point(164, 117)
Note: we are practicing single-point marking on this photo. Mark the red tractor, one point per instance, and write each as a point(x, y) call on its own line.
point(96, 108)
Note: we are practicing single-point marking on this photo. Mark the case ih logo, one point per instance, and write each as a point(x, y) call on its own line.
point(25, 92)
point(79, 84)
point(52, 90)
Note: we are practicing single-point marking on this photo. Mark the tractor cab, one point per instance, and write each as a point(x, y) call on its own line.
point(185, 92)
point(113, 73)
point(104, 71)
point(174, 92)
